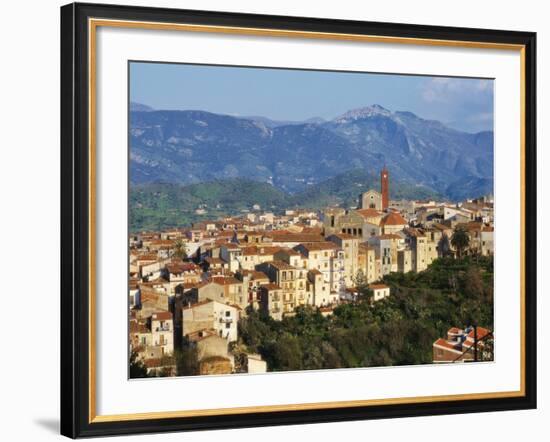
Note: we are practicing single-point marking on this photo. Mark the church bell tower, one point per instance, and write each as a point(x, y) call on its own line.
point(385, 188)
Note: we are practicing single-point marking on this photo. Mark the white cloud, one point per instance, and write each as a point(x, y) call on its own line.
point(456, 90)
point(463, 103)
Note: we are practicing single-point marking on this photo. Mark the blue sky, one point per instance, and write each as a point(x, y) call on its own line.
point(283, 94)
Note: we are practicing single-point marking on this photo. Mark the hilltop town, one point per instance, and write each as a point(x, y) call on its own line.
point(190, 287)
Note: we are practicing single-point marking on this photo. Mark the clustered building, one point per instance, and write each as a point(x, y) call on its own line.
point(471, 344)
point(276, 263)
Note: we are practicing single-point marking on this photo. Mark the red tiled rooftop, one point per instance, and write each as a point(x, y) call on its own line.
point(393, 219)
point(369, 213)
point(378, 286)
point(161, 316)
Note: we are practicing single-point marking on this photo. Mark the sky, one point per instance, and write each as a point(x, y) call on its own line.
point(284, 94)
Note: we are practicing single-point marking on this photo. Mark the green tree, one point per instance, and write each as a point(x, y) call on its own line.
point(137, 367)
point(179, 249)
point(399, 330)
point(187, 362)
point(473, 283)
point(288, 353)
point(460, 240)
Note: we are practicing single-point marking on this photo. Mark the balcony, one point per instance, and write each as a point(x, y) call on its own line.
point(226, 320)
point(162, 329)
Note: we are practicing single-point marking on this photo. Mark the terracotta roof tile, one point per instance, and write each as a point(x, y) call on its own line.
point(393, 219)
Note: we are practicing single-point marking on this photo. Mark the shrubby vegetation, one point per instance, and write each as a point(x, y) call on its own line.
point(137, 367)
point(399, 330)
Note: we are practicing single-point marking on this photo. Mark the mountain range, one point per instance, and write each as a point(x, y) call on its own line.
point(192, 146)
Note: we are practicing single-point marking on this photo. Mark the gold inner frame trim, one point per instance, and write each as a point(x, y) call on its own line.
point(93, 24)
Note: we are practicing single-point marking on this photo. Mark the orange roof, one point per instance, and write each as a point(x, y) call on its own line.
point(369, 213)
point(296, 237)
point(393, 219)
point(378, 286)
point(138, 327)
point(440, 226)
point(211, 260)
point(147, 257)
point(473, 225)
point(177, 268)
point(389, 236)
point(225, 280)
point(325, 245)
point(159, 362)
point(254, 274)
point(162, 316)
point(289, 252)
point(481, 333)
point(280, 265)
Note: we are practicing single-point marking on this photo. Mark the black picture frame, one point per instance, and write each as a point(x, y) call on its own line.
point(75, 220)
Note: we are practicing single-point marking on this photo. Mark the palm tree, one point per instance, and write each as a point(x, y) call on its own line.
point(179, 249)
point(460, 240)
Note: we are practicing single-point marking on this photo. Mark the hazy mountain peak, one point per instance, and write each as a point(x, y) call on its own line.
point(363, 112)
point(139, 107)
point(193, 146)
point(406, 114)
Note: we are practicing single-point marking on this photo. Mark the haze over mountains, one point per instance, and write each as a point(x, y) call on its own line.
point(192, 146)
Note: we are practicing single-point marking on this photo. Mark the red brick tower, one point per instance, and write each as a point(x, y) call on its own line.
point(385, 188)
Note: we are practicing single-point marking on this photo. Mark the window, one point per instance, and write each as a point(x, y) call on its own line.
point(227, 325)
point(228, 313)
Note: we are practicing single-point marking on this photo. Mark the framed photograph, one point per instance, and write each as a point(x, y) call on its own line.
point(274, 220)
